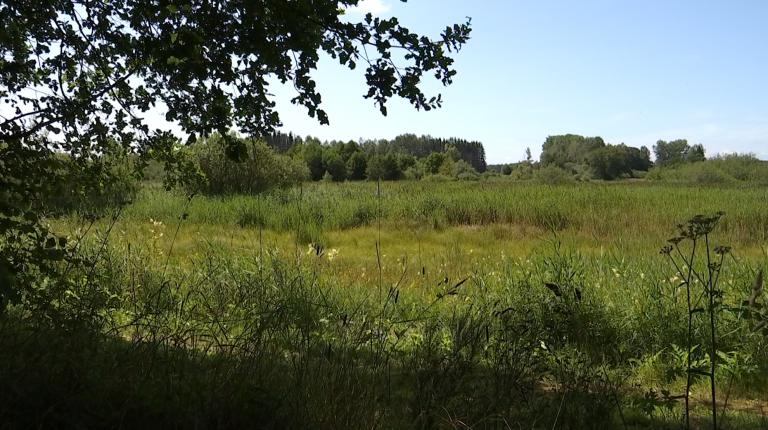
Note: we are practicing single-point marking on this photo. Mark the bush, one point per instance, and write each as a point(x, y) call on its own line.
point(92, 185)
point(703, 173)
point(262, 169)
point(468, 176)
point(413, 173)
point(437, 178)
point(743, 167)
point(552, 175)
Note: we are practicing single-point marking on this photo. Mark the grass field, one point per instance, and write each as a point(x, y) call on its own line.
point(404, 305)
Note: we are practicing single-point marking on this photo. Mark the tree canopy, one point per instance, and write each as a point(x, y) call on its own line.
point(678, 152)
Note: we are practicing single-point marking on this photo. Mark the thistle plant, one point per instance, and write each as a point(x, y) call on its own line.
point(696, 232)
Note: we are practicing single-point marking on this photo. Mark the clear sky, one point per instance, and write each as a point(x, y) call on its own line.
point(628, 71)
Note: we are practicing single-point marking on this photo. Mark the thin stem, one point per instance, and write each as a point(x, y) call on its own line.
point(713, 354)
point(690, 335)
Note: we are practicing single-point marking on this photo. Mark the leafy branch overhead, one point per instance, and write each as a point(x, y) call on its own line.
point(92, 67)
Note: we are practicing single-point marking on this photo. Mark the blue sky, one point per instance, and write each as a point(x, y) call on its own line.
point(629, 71)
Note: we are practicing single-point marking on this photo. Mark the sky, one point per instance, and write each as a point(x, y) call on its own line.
point(628, 71)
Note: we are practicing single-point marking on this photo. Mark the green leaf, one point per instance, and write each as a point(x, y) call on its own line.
point(174, 36)
point(171, 8)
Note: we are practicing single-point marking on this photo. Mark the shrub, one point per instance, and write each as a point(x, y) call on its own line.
point(76, 189)
point(262, 169)
point(703, 173)
point(413, 173)
point(468, 176)
point(437, 178)
point(433, 162)
point(552, 175)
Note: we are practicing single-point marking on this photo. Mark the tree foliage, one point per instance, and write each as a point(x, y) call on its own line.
point(262, 169)
point(677, 152)
point(610, 162)
point(568, 148)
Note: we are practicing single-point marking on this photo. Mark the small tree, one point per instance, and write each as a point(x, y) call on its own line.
point(609, 162)
point(696, 153)
point(383, 167)
point(356, 166)
point(671, 153)
point(334, 165)
point(453, 153)
point(313, 156)
point(433, 162)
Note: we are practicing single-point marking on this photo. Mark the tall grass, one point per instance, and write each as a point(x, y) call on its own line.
point(446, 338)
point(595, 210)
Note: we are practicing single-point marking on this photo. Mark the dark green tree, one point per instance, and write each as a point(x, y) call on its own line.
point(568, 148)
point(671, 153)
point(638, 158)
point(506, 170)
point(383, 167)
point(696, 153)
point(610, 162)
point(356, 166)
point(433, 162)
point(452, 153)
point(334, 164)
point(313, 156)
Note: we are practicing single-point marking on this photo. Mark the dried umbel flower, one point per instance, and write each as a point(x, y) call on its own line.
point(722, 250)
point(666, 249)
point(675, 240)
point(699, 225)
point(758, 285)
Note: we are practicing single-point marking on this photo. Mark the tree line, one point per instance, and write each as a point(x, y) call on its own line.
point(593, 158)
point(405, 156)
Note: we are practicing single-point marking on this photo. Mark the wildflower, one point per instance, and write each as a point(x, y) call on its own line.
point(332, 254)
point(311, 249)
point(642, 275)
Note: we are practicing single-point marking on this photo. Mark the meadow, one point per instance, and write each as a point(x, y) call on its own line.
point(411, 304)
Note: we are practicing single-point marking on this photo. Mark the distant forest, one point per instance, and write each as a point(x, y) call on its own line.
point(283, 159)
point(405, 156)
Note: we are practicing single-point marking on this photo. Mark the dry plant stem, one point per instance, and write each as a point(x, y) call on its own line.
point(298, 225)
point(713, 354)
point(178, 227)
point(261, 246)
point(690, 328)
